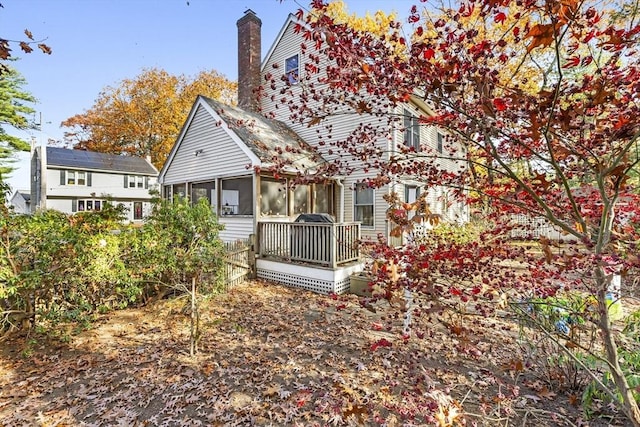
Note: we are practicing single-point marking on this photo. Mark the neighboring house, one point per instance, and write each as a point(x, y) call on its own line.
point(21, 202)
point(73, 181)
point(223, 154)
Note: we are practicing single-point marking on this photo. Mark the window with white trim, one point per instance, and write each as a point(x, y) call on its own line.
point(411, 131)
point(440, 142)
point(292, 69)
point(136, 181)
point(363, 204)
point(411, 194)
point(82, 205)
point(75, 177)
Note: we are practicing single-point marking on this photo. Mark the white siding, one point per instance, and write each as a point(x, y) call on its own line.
point(236, 228)
point(102, 185)
point(342, 125)
point(220, 155)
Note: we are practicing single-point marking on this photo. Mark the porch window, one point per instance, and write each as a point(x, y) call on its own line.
point(237, 196)
point(323, 198)
point(291, 69)
point(179, 190)
point(411, 131)
point(301, 199)
point(273, 197)
point(166, 192)
point(363, 204)
point(204, 190)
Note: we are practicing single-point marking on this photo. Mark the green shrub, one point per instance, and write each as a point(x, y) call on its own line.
point(58, 268)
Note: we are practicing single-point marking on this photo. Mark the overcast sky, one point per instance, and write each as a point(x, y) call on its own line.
point(98, 43)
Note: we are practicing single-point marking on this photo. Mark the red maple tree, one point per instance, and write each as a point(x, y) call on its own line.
point(540, 103)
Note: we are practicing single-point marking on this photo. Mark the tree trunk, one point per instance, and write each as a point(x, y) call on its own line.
point(630, 406)
point(193, 331)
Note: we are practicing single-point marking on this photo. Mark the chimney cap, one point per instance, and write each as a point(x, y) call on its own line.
point(249, 11)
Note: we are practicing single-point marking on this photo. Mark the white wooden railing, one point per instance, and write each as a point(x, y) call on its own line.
point(325, 244)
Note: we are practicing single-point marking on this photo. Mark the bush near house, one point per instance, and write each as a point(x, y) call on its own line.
point(57, 268)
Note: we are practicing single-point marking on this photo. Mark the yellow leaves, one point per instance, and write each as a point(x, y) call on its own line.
point(377, 24)
point(143, 115)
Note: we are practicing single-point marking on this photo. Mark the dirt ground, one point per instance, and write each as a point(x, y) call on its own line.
point(275, 356)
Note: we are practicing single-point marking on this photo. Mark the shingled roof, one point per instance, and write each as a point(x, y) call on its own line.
point(91, 160)
point(270, 140)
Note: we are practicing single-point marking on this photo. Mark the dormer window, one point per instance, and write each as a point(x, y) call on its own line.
point(411, 131)
point(291, 69)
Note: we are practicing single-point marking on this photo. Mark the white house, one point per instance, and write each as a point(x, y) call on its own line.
point(21, 202)
point(224, 153)
point(78, 180)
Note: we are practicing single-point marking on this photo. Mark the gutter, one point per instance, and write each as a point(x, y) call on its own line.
point(341, 212)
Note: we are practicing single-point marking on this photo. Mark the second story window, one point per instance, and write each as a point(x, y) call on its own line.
point(411, 131)
point(72, 177)
point(291, 69)
point(440, 139)
point(136, 181)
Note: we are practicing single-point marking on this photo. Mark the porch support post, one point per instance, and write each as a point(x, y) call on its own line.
point(253, 271)
point(333, 241)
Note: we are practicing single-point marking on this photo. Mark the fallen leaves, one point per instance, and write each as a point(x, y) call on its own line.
point(267, 358)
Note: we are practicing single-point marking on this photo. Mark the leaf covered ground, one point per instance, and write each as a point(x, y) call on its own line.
point(272, 355)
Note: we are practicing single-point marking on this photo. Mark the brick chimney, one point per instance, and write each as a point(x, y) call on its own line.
point(249, 57)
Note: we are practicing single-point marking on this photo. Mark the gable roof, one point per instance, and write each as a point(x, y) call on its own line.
point(290, 19)
point(265, 141)
point(270, 140)
point(26, 196)
point(91, 160)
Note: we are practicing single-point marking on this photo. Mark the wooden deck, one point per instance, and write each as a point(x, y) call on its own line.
point(318, 244)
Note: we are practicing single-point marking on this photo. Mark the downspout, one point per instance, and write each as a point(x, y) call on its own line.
point(391, 151)
point(341, 210)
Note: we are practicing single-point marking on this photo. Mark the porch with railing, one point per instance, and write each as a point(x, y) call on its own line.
point(320, 244)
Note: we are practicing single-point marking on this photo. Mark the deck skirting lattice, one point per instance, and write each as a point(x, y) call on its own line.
point(320, 286)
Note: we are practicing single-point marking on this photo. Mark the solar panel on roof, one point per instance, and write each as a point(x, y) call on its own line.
point(92, 160)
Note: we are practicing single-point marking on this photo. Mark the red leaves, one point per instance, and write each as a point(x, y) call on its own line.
point(455, 291)
point(574, 61)
point(428, 53)
point(499, 104)
point(383, 342)
point(500, 18)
